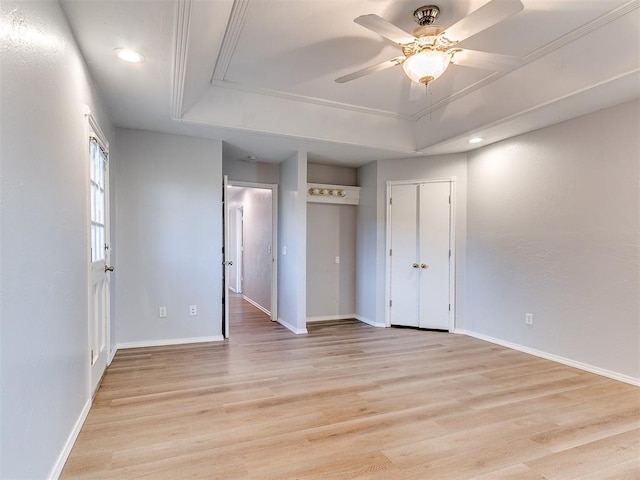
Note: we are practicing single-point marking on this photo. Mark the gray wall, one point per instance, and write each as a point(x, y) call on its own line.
point(331, 174)
point(292, 223)
point(331, 233)
point(372, 226)
point(44, 352)
point(367, 218)
point(553, 231)
point(169, 216)
point(256, 172)
point(235, 236)
point(257, 226)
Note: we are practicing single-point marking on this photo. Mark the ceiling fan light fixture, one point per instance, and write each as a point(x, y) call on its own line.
point(426, 66)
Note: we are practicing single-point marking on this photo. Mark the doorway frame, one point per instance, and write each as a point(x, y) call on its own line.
point(452, 240)
point(274, 237)
point(93, 130)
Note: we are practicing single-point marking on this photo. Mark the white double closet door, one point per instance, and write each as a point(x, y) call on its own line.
point(420, 256)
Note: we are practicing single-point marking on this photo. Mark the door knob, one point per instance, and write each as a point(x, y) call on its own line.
point(108, 268)
point(424, 265)
point(415, 265)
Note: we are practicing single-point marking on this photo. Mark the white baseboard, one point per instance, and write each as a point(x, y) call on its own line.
point(112, 354)
point(232, 289)
point(296, 330)
point(257, 305)
point(555, 358)
point(71, 440)
point(327, 318)
point(170, 341)
point(370, 322)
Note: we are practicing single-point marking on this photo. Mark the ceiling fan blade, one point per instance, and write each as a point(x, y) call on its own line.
point(372, 69)
point(387, 29)
point(484, 17)
point(486, 60)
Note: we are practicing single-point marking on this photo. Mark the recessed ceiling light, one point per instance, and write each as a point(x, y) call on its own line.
point(129, 55)
point(476, 140)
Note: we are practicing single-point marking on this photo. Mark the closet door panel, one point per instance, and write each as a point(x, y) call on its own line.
point(404, 244)
point(434, 243)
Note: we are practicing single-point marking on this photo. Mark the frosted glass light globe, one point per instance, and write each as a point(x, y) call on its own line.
point(426, 66)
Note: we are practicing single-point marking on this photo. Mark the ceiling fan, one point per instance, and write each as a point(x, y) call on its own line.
point(429, 49)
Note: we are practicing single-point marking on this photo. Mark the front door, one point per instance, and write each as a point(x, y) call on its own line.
point(99, 288)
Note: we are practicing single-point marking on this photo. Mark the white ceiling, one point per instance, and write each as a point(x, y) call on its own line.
point(259, 74)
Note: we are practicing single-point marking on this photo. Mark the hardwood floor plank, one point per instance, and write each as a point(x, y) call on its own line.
point(601, 455)
point(352, 401)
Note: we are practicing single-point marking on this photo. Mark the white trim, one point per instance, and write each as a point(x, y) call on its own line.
point(230, 40)
point(257, 305)
point(232, 289)
point(180, 49)
point(274, 238)
point(328, 318)
point(370, 322)
point(288, 326)
point(95, 130)
point(71, 440)
point(112, 354)
point(555, 358)
point(225, 257)
point(452, 245)
point(170, 341)
point(397, 151)
point(223, 84)
point(452, 256)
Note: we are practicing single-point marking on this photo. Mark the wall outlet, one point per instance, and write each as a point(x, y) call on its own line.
point(284, 250)
point(337, 259)
point(162, 312)
point(528, 318)
point(193, 310)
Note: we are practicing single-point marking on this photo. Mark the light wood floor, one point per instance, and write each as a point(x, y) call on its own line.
point(353, 401)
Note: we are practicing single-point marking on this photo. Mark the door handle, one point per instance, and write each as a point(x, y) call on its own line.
point(108, 268)
point(424, 265)
point(415, 265)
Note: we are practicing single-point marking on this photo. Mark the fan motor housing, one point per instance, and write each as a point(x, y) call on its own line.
point(426, 15)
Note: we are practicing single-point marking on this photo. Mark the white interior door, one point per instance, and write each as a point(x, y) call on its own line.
point(434, 234)
point(226, 261)
point(99, 275)
point(403, 255)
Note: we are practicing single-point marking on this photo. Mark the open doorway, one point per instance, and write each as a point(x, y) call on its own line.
point(252, 232)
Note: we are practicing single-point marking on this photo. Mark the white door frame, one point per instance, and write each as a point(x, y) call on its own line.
point(225, 258)
point(274, 237)
point(96, 369)
point(452, 236)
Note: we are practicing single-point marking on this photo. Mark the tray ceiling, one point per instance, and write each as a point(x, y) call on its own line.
point(259, 74)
